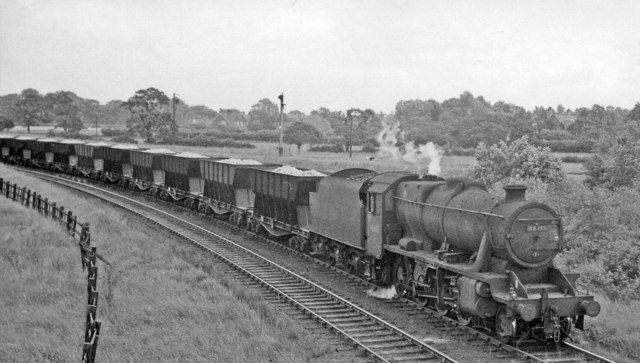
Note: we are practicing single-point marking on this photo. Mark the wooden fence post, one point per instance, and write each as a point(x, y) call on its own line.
point(69, 217)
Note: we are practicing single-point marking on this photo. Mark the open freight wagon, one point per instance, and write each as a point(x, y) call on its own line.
point(90, 157)
point(228, 181)
point(117, 160)
point(5, 146)
point(282, 195)
point(182, 172)
point(147, 166)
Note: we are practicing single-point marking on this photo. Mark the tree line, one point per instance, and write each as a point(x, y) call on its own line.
point(456, 123)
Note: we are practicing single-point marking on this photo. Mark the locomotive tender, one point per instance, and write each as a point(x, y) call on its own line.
point(451, 244)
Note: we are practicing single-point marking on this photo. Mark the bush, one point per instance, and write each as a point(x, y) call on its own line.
point(617, 167)
point(574, 159)
point(114, 132)
point(518, 160)
point(602, 237)
point(124, 139)
point(336, 148)
point(210, 141)
point(369, 148)
point(459, 151)
point(568, 146)
point(262, 135)
point(69, 135)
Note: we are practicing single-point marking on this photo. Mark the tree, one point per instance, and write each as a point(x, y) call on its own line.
point(264, 115)
point(62, 111)
point(30, 109)
point(149, 115)
point(5, 123)
point(300, 133)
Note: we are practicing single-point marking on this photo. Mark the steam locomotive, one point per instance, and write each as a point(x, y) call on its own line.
point(450, 244)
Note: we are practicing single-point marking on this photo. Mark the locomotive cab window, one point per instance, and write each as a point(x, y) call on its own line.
point(371, 206)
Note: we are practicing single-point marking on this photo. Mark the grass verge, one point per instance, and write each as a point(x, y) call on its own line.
point(162, 301)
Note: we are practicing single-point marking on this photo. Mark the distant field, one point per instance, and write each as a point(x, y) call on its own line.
point(331, 162)
point(162, 301)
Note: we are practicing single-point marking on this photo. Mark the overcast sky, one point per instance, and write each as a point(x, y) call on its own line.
point(322, 53)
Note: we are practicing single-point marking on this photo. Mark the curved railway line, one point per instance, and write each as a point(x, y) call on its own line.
point(380, 339)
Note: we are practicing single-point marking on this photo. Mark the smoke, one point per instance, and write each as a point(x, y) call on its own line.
point(383, 293)
point(424, 158)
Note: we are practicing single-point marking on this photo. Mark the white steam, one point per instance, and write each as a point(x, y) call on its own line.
point(383, 293)
point(425, 158)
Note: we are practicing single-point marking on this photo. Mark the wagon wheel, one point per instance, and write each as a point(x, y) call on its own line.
point(303, 245)
point(293, 242)
point(402, 274)
point(505, 325)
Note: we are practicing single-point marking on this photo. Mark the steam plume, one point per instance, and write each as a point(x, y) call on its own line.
point(383, 293)
point(425, 158)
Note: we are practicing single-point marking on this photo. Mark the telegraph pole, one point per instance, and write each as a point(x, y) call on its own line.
point(173, 104)
point(95, 116)
point(281, 98)
point(352, 113)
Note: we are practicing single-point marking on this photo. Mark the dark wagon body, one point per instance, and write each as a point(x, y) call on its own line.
point(64, 151)
point(43, 150)
point(91, 155)
point(228, 180)
point(182, 172)
point(117, 159)
point(5, 146)
point(147, 165)
point(26, 145)
point(283, 197)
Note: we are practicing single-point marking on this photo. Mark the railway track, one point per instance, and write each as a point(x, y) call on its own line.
point(379, 339)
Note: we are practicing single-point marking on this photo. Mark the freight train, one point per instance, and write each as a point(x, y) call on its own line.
point(450, 244)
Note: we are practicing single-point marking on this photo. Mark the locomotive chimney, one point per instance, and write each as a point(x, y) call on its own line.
point(514, 193)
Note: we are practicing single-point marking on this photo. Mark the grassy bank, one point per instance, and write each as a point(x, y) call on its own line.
point(162, 301)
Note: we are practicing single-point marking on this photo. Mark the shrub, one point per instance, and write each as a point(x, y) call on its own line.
point(459, 151)
point(69, 135)
point(210, 141)
point(617, 167)
point(574, 159)
point(568, 146)
point(336, 148)
point(369, 148)
point(114, 132)
point(603, 242)
point(518, 160)
point(124, 139)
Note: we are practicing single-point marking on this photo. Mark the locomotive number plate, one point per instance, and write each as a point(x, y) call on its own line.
point(537, 227)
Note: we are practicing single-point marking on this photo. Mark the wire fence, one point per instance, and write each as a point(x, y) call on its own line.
point(88, 255)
